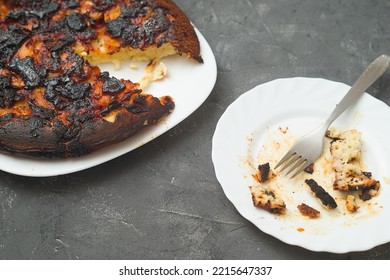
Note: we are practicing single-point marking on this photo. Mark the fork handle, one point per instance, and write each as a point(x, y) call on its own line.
point(366, 79)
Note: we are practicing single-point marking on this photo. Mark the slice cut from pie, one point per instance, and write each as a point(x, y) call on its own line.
point(54, 101)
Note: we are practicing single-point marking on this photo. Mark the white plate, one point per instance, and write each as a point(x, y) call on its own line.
point(188, 82)
point(288, 108)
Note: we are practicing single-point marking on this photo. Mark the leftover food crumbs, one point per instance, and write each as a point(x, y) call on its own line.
point(326, 199)
point(283, 130)
point(267, 199)
point(309, 169)
point(308, 211)
point(351, 204)
point(339, 170)
point(300, 229)
point(154, 71)
point(263, 195)
point(264, 173)
point(346, 153)
point(367, 194)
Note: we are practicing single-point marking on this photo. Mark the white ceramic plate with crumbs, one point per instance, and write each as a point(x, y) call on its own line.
point(263, 123)
point(188, 82)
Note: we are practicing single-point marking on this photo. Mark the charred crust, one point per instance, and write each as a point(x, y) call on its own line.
point(326, 199)
point(40, 111)
point(136, 109)
point(168, 102)
point(183, 30)
point(6, 117)
point(36, 136)
point(97, 134)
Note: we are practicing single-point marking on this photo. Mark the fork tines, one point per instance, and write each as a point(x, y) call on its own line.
point(297, 162)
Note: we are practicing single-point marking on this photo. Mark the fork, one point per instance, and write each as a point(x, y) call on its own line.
point(309, 148)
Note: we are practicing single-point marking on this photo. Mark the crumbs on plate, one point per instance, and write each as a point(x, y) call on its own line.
point(344, 168)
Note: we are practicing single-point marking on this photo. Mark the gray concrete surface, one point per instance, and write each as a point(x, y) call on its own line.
point(163, 201)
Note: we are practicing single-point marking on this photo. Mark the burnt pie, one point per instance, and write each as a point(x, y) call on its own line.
point(54, 101)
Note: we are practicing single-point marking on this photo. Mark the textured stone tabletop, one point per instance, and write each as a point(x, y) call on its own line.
point(162, 200)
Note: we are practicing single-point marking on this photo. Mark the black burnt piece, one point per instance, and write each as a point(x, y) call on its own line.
point(40, 111)
point(73, 65)
point(62, 43)
point(73, 4)
point(326, 199)
point(102, 5)
point(74, 91)
point(264, 170)
point(10, 40)
point(5, 81)
point(141, 36)
point(76, 22)
point(8, 96)
point(140, 99)
point(38, 9)
point(65, 87)
point(116, 26)
point(366, 194)
point(111, 85)
point(133, 36)
point(156, 24)
point(87, 35)
point(140, 105)
point(114, 104)
point(30, 73)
